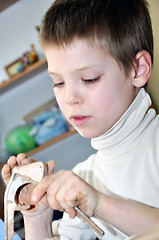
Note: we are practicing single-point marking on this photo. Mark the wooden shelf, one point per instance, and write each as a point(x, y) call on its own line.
point(6, 4)
point(51, 142)
point(48, 144)
point(26, 71)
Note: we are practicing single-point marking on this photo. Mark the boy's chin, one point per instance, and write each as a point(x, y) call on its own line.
point(86, 133)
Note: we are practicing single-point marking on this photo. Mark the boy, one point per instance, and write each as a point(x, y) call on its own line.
point(99, 54)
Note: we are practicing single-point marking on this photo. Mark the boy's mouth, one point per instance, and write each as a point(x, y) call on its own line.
point(79, 120)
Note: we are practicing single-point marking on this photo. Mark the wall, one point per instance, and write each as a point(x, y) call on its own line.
point(153, 86)
point(17, 24)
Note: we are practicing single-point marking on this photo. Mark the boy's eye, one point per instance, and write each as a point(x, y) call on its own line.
point(91, 80)
point(60, 84)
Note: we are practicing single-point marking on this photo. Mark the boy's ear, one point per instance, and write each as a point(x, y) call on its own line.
point(142, 69)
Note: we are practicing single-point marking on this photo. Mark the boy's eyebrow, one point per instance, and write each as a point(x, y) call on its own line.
point(52, 73)
point(76, 70)
point(87, 67)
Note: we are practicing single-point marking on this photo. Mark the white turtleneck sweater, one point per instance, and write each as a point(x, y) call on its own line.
point(126, 164)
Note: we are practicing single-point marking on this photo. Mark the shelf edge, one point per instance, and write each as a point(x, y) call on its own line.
point(51, 142)
point(20, 75)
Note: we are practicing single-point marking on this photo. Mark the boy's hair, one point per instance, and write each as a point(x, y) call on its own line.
point(121, 27)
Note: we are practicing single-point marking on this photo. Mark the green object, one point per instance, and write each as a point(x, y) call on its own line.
point(19, 140)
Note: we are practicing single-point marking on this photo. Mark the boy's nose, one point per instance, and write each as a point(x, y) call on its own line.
point(72, 95)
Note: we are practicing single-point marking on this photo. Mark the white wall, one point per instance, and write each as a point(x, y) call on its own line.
point(17, 26)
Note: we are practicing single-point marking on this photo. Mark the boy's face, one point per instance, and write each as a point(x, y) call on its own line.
point(90, 87)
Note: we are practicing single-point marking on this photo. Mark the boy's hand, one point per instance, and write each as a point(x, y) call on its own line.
point(13, 162)
point(38, 219)
point(25, 193)
point(65, 190)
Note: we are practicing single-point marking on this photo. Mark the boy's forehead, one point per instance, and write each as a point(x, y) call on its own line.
point(78, 56)
point(80, 50)
point(75, 44)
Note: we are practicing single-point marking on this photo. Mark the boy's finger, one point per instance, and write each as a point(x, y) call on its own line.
point(21, 156)
point(44, 201)
point(26, 161)
point(41, 188)
point(6, 173)
point(22, 159)
point(12, 161)
point(51, 166)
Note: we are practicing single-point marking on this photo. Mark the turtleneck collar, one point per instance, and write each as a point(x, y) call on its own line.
point(131, 125)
